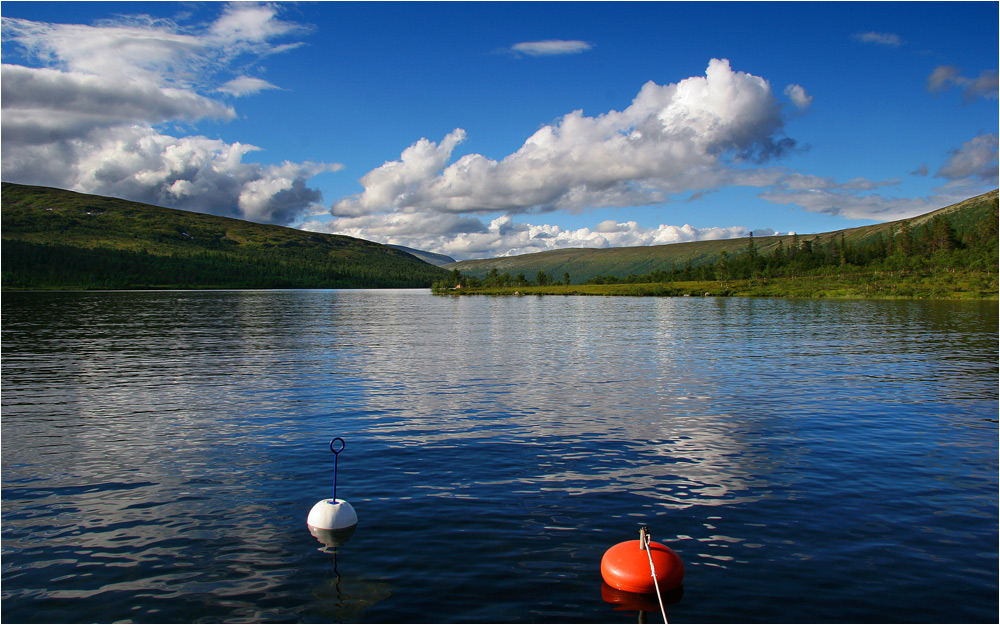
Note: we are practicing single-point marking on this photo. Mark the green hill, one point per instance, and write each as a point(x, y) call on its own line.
point(967, 218)
point(54, 238)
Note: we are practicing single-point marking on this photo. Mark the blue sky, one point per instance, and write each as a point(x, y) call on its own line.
point(486, 129)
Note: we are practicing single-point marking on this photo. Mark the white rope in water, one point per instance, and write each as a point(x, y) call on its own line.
point(652, 570)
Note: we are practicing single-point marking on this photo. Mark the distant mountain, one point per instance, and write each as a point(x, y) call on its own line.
point(54, 238)
point(585, 263)
point(427, 257)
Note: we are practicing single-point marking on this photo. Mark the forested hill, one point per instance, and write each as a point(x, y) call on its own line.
point(970, 220)
point(54, 238)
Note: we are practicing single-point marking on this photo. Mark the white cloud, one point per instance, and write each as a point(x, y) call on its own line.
point(800, 182)
point(86, 121)
point(246, 27)
point(853, 206)
point(195, 173)
point(985, 85)
point(137, 48)
point(551, 47)
point(976, 159)
point(967, 170)
point(798, 96)
point(692, 136)
point(944, 77)
point(465, 237)
point(891, 40)
point(392, 181)
point(245, 85)
point(672, 139)
point(42, 105)
point(157, 50)
point(824, 195)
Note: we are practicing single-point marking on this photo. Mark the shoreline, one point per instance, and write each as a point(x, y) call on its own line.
point(949, 287)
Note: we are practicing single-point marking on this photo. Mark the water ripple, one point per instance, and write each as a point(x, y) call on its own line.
point(810, 461)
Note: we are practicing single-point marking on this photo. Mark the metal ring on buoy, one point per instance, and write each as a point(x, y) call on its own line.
point(342, 445)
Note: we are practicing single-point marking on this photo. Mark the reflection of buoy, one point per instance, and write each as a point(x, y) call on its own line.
point(626, 566)
point(332, 514)
point(332, 538)
point(634, 602)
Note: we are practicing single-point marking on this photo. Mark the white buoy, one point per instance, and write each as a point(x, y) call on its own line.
point(332, 514)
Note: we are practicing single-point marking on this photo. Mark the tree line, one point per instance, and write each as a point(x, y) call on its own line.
point(931, 246)
point(494, 279)
point(28, 265)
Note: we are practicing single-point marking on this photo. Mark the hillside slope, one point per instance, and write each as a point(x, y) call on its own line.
point(584, 263)
point(427, 257)
point(54, 238)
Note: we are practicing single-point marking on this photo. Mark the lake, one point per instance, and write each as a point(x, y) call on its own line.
point(810, 461)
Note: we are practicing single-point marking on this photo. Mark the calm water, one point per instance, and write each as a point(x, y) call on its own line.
point(810, 461)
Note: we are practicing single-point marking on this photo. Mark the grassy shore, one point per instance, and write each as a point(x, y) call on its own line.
point(938, 284)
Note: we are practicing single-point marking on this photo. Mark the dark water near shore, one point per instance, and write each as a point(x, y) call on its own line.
point(811, 461)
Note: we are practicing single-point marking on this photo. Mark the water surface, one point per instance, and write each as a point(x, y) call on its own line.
point(811, 461)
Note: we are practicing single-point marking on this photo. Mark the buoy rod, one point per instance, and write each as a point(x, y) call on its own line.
point(644, 539)
point(336, 452)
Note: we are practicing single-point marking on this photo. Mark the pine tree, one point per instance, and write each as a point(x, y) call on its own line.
point(905, 238)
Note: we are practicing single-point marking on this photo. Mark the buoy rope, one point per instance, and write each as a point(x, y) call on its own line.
point(652, 570)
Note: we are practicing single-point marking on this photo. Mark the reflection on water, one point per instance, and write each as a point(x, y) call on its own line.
point(556, 378)
point(809, 460)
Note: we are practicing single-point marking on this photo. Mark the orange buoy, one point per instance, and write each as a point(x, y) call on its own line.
point(626, 567)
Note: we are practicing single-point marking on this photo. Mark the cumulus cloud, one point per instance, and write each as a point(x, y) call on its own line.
point(672, 139)
point(550, 47)
point(798, 96)
point(390, 184)
point(682, 138)
point(891, 40)
point(87, 119)
point(195, 173)
point(465, 237)
point(944, 77)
